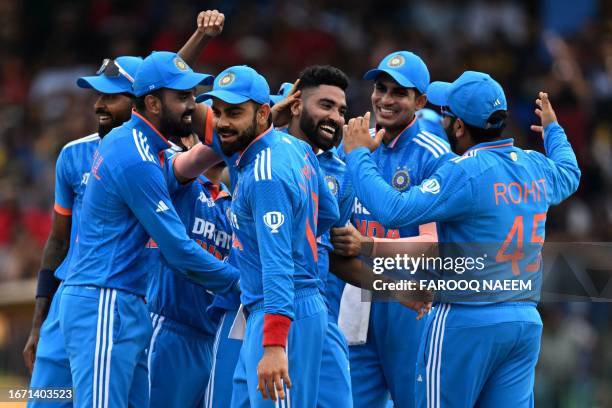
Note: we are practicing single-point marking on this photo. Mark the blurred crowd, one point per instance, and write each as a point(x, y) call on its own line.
point(563, 47)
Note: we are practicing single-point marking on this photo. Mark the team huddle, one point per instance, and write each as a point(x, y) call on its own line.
point(212, 250)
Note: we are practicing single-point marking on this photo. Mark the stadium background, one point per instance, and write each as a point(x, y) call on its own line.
point(561, 46)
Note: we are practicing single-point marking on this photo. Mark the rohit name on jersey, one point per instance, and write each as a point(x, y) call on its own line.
point(531, 191)
point(212, 239)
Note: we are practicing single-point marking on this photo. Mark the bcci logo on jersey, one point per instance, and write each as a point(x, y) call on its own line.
point(332, 184)
point(273, 220)
point(401, 180)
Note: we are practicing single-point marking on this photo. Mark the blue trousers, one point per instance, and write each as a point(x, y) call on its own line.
point(385, 366)
point(225, 357)
point(106, 332)
point(179, 360)
point(51, 367)
point(335, 381)
point(304, 350)
point(483, 356)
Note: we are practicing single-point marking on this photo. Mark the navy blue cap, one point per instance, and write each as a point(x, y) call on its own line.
point(406, 68)
point(237, 85)
point(283, 92)
point(114, 79)
point(473, 97)
point(163, 69)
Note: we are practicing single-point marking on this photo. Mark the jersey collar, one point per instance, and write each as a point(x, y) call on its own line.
point(502, 145)
point(258, 144)
point(406, 133)
point(216, 191)
point(156, 139)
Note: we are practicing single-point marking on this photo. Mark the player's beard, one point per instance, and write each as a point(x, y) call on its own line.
point(173, 127)
point(311, 130)
point(116, 121)
point(242, 141)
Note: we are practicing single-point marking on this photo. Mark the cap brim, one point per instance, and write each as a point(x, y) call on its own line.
point(437, 93)
point(226, 96)
point(104, 84)
point(399, 78)
point(189, 81)
point(276, 98)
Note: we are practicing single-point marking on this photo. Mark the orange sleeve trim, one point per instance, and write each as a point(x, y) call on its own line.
point(208, 127)
point(62, 211)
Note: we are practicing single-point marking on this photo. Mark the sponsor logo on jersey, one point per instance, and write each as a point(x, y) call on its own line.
point(273, 220)
point(430, 186)
point(401, 179)
point(85, 178)
point(205, 200)
point(161, 207)
point(332, 184)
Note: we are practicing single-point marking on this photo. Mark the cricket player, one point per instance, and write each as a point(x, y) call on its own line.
point(103, 315)
point(274, 218)
point(383, 362)
point(44, 352)
point(317, 118)
point(484, 352)
point(180, 351)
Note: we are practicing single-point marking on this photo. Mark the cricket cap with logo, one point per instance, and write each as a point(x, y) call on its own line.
point(237, 85)
point(473, 97)
point(114, 76)
point(163, 69)
point(406, 68)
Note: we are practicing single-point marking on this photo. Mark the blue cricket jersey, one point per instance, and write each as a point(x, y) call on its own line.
point(200, 207)
point(340, 184)
point(414, 155)
point(274, 218)
point(126, 202)
point(71, 176)
point(495, 193)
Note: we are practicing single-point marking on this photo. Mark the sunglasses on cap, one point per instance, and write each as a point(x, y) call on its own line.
point(112, 69)
point(445, 111)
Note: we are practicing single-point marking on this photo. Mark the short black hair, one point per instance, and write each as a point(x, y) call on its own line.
point(316, 75)
point(497, 120)
point(139, 102)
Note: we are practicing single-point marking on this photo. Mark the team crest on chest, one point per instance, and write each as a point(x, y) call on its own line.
point(332, 184)
point(401, 179)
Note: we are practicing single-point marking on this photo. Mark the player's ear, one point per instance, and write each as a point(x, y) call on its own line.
point(459, 128)
point(296, 107)
point(263, 115)
point(421, 101)
point(153, 104)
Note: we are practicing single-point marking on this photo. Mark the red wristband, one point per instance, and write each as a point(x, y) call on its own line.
point(276, 330)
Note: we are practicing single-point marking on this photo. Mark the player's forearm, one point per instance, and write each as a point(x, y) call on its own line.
point(412, 246)
point(41, 309)
point(387, 205)
point(191, 164)
point(193, 47)
point(560, 151)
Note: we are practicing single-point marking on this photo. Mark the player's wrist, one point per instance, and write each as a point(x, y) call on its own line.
point(276, 330)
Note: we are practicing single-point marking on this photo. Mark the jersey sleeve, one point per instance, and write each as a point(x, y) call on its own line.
point(64, 193)
point(174, 185)
point(328, 213)
point(560, 165)
point(272, 205)
point(437, 153)
point(146, 193)
point(447, 195)
point(346, 201)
